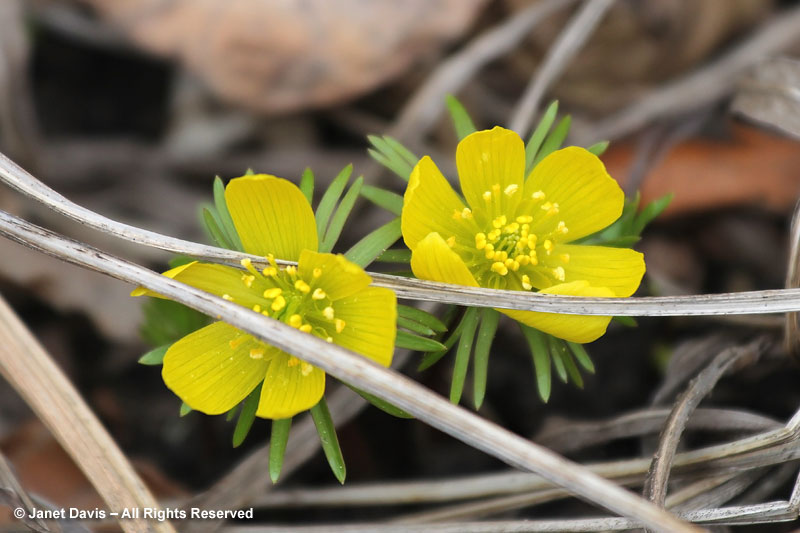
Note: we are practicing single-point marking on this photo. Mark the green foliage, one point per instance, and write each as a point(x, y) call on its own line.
point(154, 356)
point(166, 321)
point(328, 202)
point(417, 343)
point(550, 353)
point(374, 244)
point(343, 211)
point(277, 446)
point(391, 201)
point(307, 185)
point(537, 137)
point(393, 155)
point(401, 255)
point(626, 231)
point(461, 119)
point(246, 417)
point(327, 436)
point(421, 317)
point(469, 325)
point(383, 405)
point(480, 374)
point(184, 410)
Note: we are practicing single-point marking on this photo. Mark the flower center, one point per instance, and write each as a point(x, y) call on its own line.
point(510, 251)
point(286, 296)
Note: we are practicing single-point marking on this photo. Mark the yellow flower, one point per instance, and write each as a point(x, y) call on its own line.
point(216, 367)
point(515, 233)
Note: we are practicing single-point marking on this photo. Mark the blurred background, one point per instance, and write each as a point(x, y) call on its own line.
point(131, 107)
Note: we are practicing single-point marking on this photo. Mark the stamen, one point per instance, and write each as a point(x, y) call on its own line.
point(329, 339)
point(306, 368)
point(291, 270)
point(562, 227)
point(257, 308)
point(466, 213)
point(274, 292)
point(248, 280)
point(317, 272)
point(279, 303)
point(328, 312)
point(293, 361)
point(511, 189)
point(295, 321)
point(257, 353)
point(524, 219)
point(270, 272)
point(496, 188)
point(340, 324)
point(559, 273)
point(548, 246)
point(305, 328)
point(227, 297)
point(538, 195)
point(456, 214)
point(487, 196)
point(499, 222)
point(480, 241)
point(318, 294)
point(499, 268)
point(234, 343)
point(526, 282)
point(247, 264)
point(302, 286)
point(451, 241)
point(564, 258)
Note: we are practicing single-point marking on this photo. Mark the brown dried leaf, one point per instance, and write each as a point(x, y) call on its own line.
point(771, 95)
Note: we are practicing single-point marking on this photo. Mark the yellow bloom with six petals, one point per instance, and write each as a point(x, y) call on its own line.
point(516, 233)
point(218, 366)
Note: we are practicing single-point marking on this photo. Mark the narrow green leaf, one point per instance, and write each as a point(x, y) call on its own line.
point(538, 135)
point(461, 119)
point(650, 212)
point(404, 153)
point(340, 216)
point(470, 324)
point(226, 222)
point(214, 230)
point(383, 405)
point(410, 341)
point(329, 200)
point(395, 256)
point(423, 317)
point(185, 409)
point(154, 356)
point(580, 354)
point(307, 184)
point(180, 260)
point(553, 140)
point(327, 436)
point(374, 244)
point(557, 349)
point(480, 374)
point(391, 201)
point(249, 172)
point(541, 360)
point(232, 413)
point(627, 321)
point(433, 357)
point(246, 417)
point(572, 370)
point(277, 446)
point(600, 148)
point(416, 327)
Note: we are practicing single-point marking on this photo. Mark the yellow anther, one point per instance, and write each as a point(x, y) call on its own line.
point(278, 303)
point(340, 324)
point(553, 209)
point(489, 253)
point(293, 361)
point(515, 266)
point(487, 196)
point(511, 189)
point(511, 228)
point(499, 222)
point(524, 219)
point(456, 214)
point(496, 188)
point(546, 206)
point(480, 241)
point(564, 258)
point(227, 297)
point(257, 353)
point(509, 263)
point(548, 246)
point(306, 368)
point(499, 268)
point(274, 292)
point(538, 195)
point(257, 308)
point(522, 259)
point(501, 255)
point(317, 272)
point(466, 213)
point(562, 227)
point(328, 312)
point(246, 263)
point(271, 259)
point(270, 271)
point(526, 282)
point(329, 339)
point(248, 280)
point(291, 270)
point(494, 235)
point(534, 259)
point(451, 241)
point(302, 286)
point(532, 239)
point(306, 328)
point(295, 321)
point(559, 273)
point(520, 245)
point(234, 343)
point(318, 294)
point(265, 313)
point(490, 247)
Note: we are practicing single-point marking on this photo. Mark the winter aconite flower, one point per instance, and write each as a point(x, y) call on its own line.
point(216, 367)
point(519, 233)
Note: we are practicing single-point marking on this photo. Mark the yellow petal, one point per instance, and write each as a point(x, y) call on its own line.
point(431, 204)
point(574, 328)
point(491, 161)
point(619, 269)
point(207, 373)
point(434, 260)
point(338, 277)
point(219, 280)
point(370, 318)
point(286, 391)
point(588, 198)
point(271, 215)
